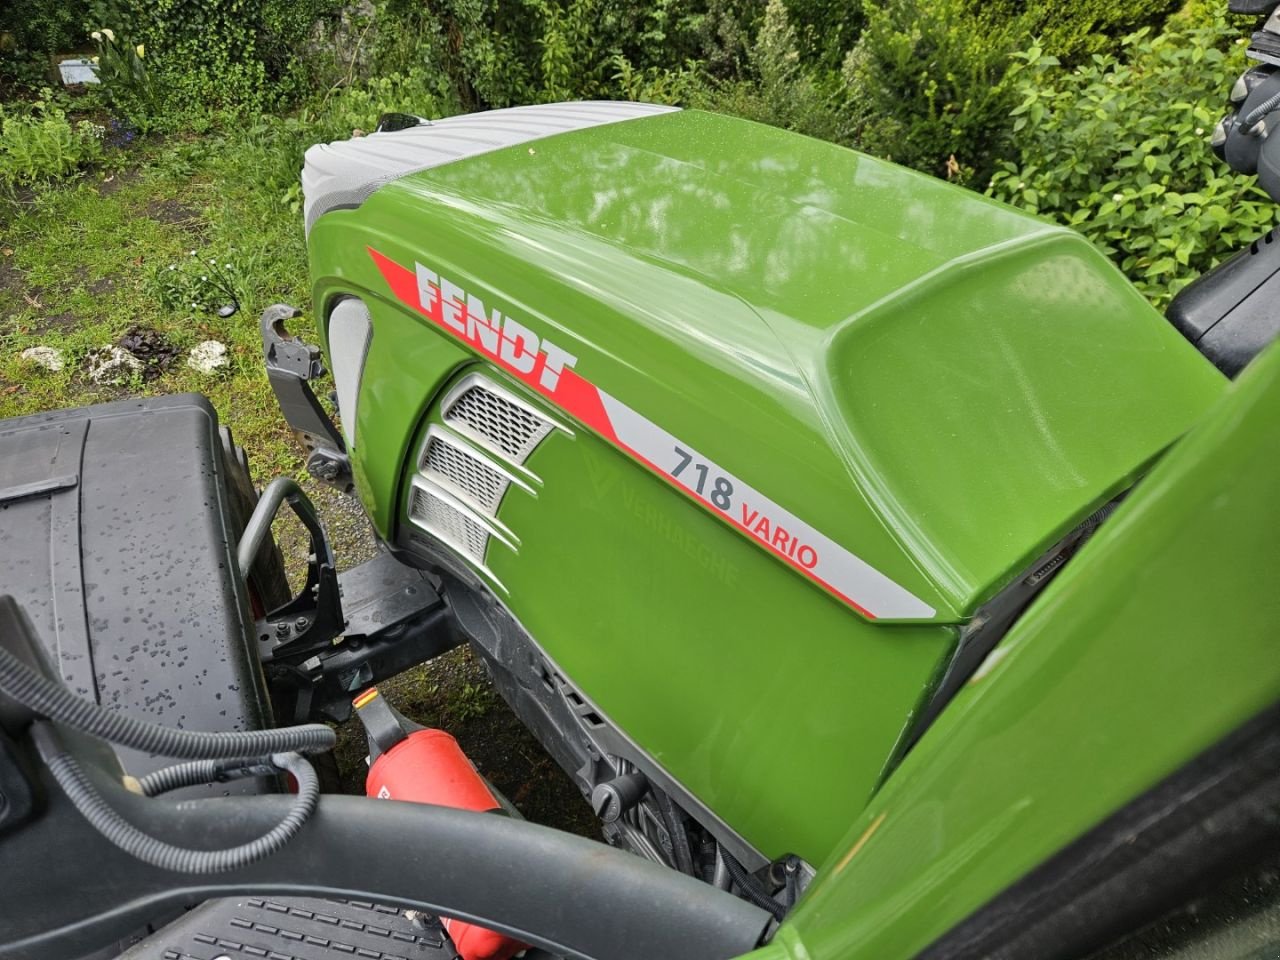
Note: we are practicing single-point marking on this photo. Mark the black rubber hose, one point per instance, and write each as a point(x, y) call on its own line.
point(751, 887)
point(195, 772)
point(103, 817)
point(51, 699)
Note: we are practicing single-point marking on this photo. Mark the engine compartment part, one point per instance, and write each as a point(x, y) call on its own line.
point(1230, 313)
point(118, 522)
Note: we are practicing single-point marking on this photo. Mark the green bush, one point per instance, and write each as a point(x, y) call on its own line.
point(1073, 31)
point(210, 55)
point(776, 87)
point(495, 53)
point(41, 144)
point(1118, 149)
point(927, 85)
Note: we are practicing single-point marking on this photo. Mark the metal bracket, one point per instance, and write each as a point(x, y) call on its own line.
point(291, 363)
point(313, 619)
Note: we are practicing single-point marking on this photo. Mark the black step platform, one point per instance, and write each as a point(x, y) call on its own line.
point(297, 928)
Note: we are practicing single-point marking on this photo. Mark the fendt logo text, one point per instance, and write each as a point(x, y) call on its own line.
point(501, 337)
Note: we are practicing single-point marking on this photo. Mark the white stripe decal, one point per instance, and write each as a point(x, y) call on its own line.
point(780, 531)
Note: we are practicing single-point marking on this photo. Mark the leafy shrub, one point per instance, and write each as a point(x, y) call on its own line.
point(927, 83)
point(207, 55)
point(501, 52)
point(777, 88)
point(1073, 31)
point(43, 144)
point(1118, 149)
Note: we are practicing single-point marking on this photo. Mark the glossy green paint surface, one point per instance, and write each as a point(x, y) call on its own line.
point(767, 699)
point(933, 380)
point(942, 385)
point(1156, 641)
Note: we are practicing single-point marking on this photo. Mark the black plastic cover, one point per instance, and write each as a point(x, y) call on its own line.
point(1233, 312)
point(117, 537)
point(300, 928)
point(1251, 6)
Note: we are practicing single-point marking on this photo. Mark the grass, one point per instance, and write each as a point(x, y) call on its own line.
point(83, 262)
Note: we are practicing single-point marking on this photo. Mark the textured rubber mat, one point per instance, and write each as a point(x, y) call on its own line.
point(296, 928)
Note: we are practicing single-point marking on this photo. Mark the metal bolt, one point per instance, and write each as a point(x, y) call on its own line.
point(282, 629)
point(301, 623)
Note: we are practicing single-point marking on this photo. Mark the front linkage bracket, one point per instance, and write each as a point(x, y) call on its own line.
point(291, 365)
point(315, 655)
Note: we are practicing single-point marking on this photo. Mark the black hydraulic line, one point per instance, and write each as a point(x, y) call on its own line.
point(676, 830)
point(751, 887)
point(51, 699)
point(167, 856)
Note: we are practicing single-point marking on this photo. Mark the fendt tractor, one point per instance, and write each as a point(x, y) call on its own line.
point(889, 576)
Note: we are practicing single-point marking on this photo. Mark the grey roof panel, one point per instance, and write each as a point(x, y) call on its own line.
point(344, 174)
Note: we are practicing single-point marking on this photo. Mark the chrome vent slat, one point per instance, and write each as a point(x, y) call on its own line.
point(507, 427)
point(474, 479)
point(446, 522)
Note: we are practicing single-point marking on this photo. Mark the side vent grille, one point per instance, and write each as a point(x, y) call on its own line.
point(474, 479)
point(463, 474)
point(499, 423)
point(446, 522)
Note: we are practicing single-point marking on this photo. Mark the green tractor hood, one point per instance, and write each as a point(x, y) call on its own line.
point(738, 426)
point(907, 390)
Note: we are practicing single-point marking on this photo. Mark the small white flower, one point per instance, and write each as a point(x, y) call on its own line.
point(173, 266)
point(1022, 184)
point(204, 279)
point(97, 34)
point(1199, 131)
point(108, 34)
point(1118, 197)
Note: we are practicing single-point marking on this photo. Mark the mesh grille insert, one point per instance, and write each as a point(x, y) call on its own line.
point(470, 476)
point(449, 524)
point(507, 427)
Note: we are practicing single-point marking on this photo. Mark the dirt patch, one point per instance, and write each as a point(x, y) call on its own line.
point(153, 351)
point(170, 211)
point(113, 182)
point(12, 283)
point(100, 287)
point(17, 295)
point(58, 323)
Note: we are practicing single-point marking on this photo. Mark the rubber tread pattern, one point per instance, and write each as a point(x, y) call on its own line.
point(298, 928)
